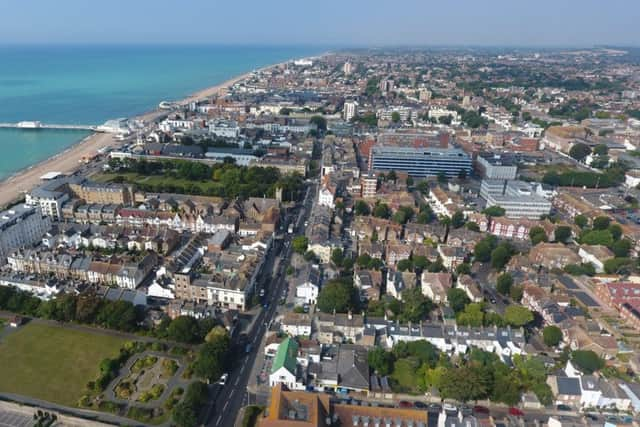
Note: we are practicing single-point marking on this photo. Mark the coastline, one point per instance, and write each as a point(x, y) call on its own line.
point(68, 161)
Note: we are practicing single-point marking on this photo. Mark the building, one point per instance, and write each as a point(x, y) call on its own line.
point(552, 255)
point(435, 286)
point(50, 197)
point(285, 366)
point(105, 194)
point(296, 324)
point(326, 197)
point(347, 68)
point(517, 198)
point(350, 110)
point(420, 162)
point(497, 166)
point(369, 184)
point(224, 129)
point(596, 255)
point(21, 226)
point(308, 285)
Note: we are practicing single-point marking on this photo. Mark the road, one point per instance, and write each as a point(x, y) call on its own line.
point(228, 399)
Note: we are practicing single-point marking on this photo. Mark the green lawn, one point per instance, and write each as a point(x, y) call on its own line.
point(52, 363)
point(157, 180)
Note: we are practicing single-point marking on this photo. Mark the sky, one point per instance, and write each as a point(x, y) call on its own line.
point(347, 23)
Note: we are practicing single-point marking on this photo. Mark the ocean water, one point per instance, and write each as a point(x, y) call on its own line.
point(92, 84)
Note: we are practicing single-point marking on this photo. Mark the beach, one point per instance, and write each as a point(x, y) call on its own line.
point(70, 160)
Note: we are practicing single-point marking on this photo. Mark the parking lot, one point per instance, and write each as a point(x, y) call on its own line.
point(15, 419)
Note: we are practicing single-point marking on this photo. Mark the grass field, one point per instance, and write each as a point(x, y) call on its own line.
point(155, 180)
point(52, 363)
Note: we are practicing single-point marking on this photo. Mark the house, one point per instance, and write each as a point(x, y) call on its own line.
point(451, 256)
point(326, 197)
point(285, 366)
point(566, 390)
point(396, 253)
point(435, 286)
point(553, 255)
point(345, 367)
point(398, 282)
point(308, 285)
point(471, 288)
point(340, 327)
point(369, 283)
point(596, 255)
point(296, 324)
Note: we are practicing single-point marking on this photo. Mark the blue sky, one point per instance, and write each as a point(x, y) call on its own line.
point(323, 22)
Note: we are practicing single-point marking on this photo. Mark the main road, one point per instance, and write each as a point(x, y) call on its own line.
point(227, 400)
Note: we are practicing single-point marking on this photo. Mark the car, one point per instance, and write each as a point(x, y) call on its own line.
point(493, 300)
point(419, 405)
point(405, 404)
point(448, 407)
point(223, 379)
point(305, 308)
point(466, 410)
point(266, 305)
point(480, 410)
point(562, 407)
point(434, 407)
point(262, 292)
point(516, 412)
point(248, 348)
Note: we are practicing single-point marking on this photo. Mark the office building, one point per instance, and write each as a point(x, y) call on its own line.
point(517, 198)
point(369, 185)
point(497, 166)
point(420, 162)
point(347, 68)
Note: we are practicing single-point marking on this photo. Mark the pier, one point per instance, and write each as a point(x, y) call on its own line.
point(39, 125)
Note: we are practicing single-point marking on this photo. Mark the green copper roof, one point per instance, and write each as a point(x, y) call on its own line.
point(286, 356)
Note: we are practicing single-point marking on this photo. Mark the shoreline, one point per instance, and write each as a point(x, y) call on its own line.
point(69, 160)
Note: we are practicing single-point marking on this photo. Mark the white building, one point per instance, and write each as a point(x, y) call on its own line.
point(437, 113)
point(347, 68)
point(308, 286)
point(20, 226)
point(224, 129)
point(519, 199)
point(350, 110)
point(326, 197)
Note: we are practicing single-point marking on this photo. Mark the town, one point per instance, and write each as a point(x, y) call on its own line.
point(375, 238)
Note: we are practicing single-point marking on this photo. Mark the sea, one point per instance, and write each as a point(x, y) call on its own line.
point(89, 85)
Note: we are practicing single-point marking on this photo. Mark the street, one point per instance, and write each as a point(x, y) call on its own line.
point(227, 400)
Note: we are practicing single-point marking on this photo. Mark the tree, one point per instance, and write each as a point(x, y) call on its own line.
point(472, 226)
point(494, 211)
point(464, 383)
point(380, 360)
point(462, 269)
point(405, 265)
point(587, 361)
point(516, 292)
point(319, 121)
point(472, 315)
point(551, 335)
point(211, 360)
point(579, 151)
point(501, 255)
point(601, 223)
point(601, 150)
point(416, 306)
point(562, 233)
point(184, 329)
point(517, 315)
point(616, 231)
point(382, 210)
point(395, 117)
point(403, 214)
point(618, 265)
point(482, 250)
point(621, 248)
point(337, 295)
point(537, 235)
point(362, 208)
point(300, 244)
point(457, 299)
point(337, 257)
point(504, 283)
point(596, 237)
point(457, 220)
point(581, 221)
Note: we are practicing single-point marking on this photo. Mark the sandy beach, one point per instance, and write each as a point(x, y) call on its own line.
point(68, 161)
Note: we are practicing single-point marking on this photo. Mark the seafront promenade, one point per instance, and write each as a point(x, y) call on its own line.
point(68, 161)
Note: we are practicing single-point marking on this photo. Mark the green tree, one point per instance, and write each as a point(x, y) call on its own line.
point(597, 237)
point(337, 257)
point(562, 233)
point(416, 306)
point(380, 360)
point(517, 315)
point(405, 265)
point(516, 292)
point(462, 269)
point(551, 335)
point(504, 283)
point(184, 329)
point(338, 295)
point(616, 231)
point(472, 315)
point(494, 211)
point(300, 244)
point(482, 250)
point(362, 208)
point(457, 299)
point(618, 265)
point(537, 235)
point(601, 223)
point(579, 151)
point(587, 361)
point(457, 220)
point(581, 221)
point(601, 150)
point(621, 248)
point(395, 117)
point(501, 255)
point(382, 210)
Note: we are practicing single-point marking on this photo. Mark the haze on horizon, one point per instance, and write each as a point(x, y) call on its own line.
point(328, 22)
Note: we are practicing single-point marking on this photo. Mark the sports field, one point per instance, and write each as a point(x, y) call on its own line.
point(52, 363)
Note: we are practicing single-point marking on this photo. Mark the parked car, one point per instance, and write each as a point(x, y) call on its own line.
point(434, 407)
point(562, 407)
point(448, 407)
point(223, 379)
point(420, 405)
point(481, 410)
point(405, 404)
point(516, 412)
